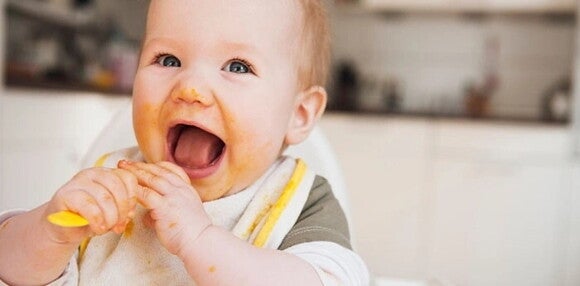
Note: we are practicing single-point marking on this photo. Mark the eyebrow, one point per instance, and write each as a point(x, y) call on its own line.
point(159, 40)
point(221, 47)
point(238, 46)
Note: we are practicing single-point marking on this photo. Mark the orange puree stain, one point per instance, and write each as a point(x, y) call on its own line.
point(212, 269)
point(90, 201)
point(129, 229)
point(189, 93)
point(146, 125)
point(172, 225)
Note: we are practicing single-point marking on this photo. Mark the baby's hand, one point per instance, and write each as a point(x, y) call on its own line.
point(175, 207)
point(103, 196)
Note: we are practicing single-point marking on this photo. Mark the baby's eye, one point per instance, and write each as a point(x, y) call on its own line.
point(168, 61)
point(238, 66)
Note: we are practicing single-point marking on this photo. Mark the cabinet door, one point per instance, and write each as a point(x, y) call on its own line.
point(500, 206)
point(384, 164)
point(532, 5)
point(474, 5)
point(498, 224)
point(573, 246)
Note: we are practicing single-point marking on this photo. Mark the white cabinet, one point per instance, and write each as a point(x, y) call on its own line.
point(573, 245)
point(463, 202)
point(532, 5)
point(384, 162)
point(500, 205)
point(499, 6)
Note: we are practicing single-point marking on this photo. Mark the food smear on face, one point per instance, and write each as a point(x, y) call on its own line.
point(211, 269)
point(146, 126)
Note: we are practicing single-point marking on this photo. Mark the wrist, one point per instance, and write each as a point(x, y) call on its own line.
point(189, 247)
point(57, 235)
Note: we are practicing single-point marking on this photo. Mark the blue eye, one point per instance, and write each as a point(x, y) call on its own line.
point(168, 61)
point(238, 66)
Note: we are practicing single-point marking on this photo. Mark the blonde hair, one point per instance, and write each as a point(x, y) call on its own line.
point(314, 56)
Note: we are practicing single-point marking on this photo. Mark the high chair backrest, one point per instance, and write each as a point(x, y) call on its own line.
point(315, 151)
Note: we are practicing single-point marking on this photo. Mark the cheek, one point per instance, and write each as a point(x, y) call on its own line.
point(147, 131)
point(258, 139)
point(149, 96)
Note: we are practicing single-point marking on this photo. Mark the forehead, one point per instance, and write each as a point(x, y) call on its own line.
point(259, 22)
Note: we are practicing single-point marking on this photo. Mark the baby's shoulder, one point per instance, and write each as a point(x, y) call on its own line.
point(321, 219)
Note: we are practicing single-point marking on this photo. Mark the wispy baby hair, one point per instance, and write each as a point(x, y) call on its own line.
point(314, 61)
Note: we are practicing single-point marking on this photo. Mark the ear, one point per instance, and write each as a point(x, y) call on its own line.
point(308, 108)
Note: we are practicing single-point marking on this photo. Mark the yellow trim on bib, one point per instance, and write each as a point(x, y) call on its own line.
point(101, 161)
point(281, 203)
point(83, 247)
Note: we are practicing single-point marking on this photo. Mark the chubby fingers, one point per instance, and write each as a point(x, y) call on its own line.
point(105, 197)
point(121, 188)
point(176, 170)
point(163, 176)
point(155, 180)
point(126, 201)
point(84, 202)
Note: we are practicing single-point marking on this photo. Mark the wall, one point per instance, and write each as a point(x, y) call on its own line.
point(2, 43)
point(129, 15)
point(435, 56)
point(573, 246)
point(2, 105)
point(576, 87)
point(44, 135)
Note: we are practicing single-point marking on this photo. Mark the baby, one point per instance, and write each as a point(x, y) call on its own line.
point(207, 198)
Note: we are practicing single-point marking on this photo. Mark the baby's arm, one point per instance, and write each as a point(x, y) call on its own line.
point(33, 251)
point(219, 258)
point(212, 256)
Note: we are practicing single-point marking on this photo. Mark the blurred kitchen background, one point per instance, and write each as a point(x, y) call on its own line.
point(454, 122)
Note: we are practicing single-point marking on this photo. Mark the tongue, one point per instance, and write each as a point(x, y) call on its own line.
point(196, 148)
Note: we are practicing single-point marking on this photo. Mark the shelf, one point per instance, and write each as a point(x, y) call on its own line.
point(79, 20)
point(538, 7)
point(443, 116)
point(39, 83)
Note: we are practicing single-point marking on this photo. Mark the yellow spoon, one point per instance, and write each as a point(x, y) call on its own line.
point(67, 219)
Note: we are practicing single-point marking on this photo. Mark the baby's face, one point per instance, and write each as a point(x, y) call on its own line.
point(216, 88)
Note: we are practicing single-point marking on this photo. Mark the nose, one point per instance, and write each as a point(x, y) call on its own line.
point(189, 91)
point(191, 95)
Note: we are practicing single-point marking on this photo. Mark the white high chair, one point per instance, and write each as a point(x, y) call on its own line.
point(316, 152)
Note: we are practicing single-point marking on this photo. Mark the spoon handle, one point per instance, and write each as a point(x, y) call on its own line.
point(67, 219)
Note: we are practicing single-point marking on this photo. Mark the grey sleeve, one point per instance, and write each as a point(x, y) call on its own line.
point(321, 219)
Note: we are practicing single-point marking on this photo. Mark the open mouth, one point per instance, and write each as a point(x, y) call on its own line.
point(194, 148)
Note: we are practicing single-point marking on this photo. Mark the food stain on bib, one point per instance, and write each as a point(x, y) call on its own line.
point(129, 229)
